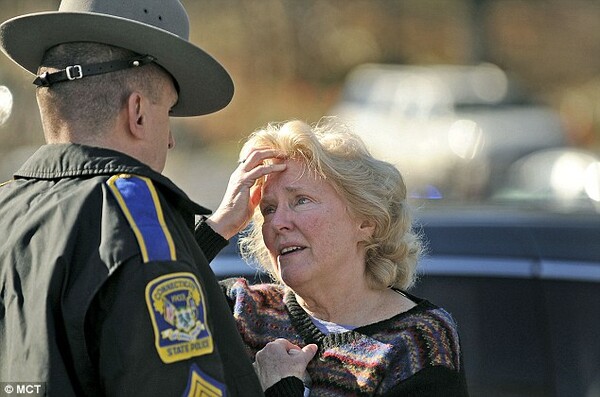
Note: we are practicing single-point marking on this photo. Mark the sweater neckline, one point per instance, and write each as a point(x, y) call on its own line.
point(312, 334)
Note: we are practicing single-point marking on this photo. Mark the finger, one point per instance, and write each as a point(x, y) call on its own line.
point(310, 348)
point(247, 152)
point(309, 352)
point(257, 156)
point(286, 344)
point(280, 344)
point(262, 170)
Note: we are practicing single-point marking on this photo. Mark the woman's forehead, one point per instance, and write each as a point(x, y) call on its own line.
point(295, 177)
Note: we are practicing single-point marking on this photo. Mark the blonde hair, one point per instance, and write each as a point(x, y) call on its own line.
point(373, 190)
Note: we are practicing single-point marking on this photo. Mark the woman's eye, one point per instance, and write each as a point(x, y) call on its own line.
point(267, 210)
point(303, 200)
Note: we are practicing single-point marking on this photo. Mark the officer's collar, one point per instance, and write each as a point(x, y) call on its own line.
point(73, 160)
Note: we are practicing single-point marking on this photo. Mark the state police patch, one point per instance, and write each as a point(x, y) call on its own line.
point(178, 315)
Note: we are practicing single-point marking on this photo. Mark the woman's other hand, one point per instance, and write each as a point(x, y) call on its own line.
point(280, 359)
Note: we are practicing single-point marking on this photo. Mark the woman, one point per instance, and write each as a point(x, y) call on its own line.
point(334, 231)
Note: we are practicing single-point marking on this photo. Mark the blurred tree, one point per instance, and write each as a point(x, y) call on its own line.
point(479, 33)
point(288, 58)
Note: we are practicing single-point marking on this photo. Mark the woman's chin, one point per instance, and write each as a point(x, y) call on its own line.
point(293, 275)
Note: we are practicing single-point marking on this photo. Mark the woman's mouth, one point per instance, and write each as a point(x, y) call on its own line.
point(289, 250)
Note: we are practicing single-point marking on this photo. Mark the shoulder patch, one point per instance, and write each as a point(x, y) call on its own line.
point(178, 314)
point(139, 202)
point(201, 385)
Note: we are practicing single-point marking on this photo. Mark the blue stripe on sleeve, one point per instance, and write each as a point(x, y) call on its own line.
point(141, 206)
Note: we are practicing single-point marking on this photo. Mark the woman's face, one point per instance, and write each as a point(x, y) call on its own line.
point(309, 233)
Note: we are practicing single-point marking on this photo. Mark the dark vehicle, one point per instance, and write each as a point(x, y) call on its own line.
point(524, 287)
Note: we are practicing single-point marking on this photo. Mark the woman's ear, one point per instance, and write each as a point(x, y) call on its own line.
point(367, 228)
point(136, 113)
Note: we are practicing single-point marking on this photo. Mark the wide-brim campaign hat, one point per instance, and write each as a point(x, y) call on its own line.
point(159, 28)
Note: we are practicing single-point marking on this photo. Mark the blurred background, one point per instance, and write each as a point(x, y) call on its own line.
point(463, 129)
point(489, 108)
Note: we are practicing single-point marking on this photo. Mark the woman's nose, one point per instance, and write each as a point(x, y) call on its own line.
point(281, 218)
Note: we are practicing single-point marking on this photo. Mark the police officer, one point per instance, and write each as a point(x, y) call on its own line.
point(103, 288)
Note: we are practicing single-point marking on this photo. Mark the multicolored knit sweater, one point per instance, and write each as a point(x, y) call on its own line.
point(415, 353)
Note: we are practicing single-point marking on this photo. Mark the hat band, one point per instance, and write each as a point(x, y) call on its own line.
point(75, 72)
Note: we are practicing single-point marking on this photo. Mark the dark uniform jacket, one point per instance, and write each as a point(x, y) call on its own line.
point(103, 288)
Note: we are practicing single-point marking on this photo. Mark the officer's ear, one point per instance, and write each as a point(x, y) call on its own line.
point(136, 112)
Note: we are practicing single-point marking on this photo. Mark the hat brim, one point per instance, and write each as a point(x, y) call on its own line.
point(204, 85)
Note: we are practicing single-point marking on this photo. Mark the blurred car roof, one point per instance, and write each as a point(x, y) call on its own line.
point(430, 85)
point(455, 128)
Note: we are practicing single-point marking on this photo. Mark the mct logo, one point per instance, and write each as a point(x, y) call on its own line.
point(22, 388)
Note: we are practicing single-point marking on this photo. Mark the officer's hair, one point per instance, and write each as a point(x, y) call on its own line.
point(92, 103)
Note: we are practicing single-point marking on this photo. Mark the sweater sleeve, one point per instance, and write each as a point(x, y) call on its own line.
point(286, 387)
point(432, 382)
point(209, 241)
